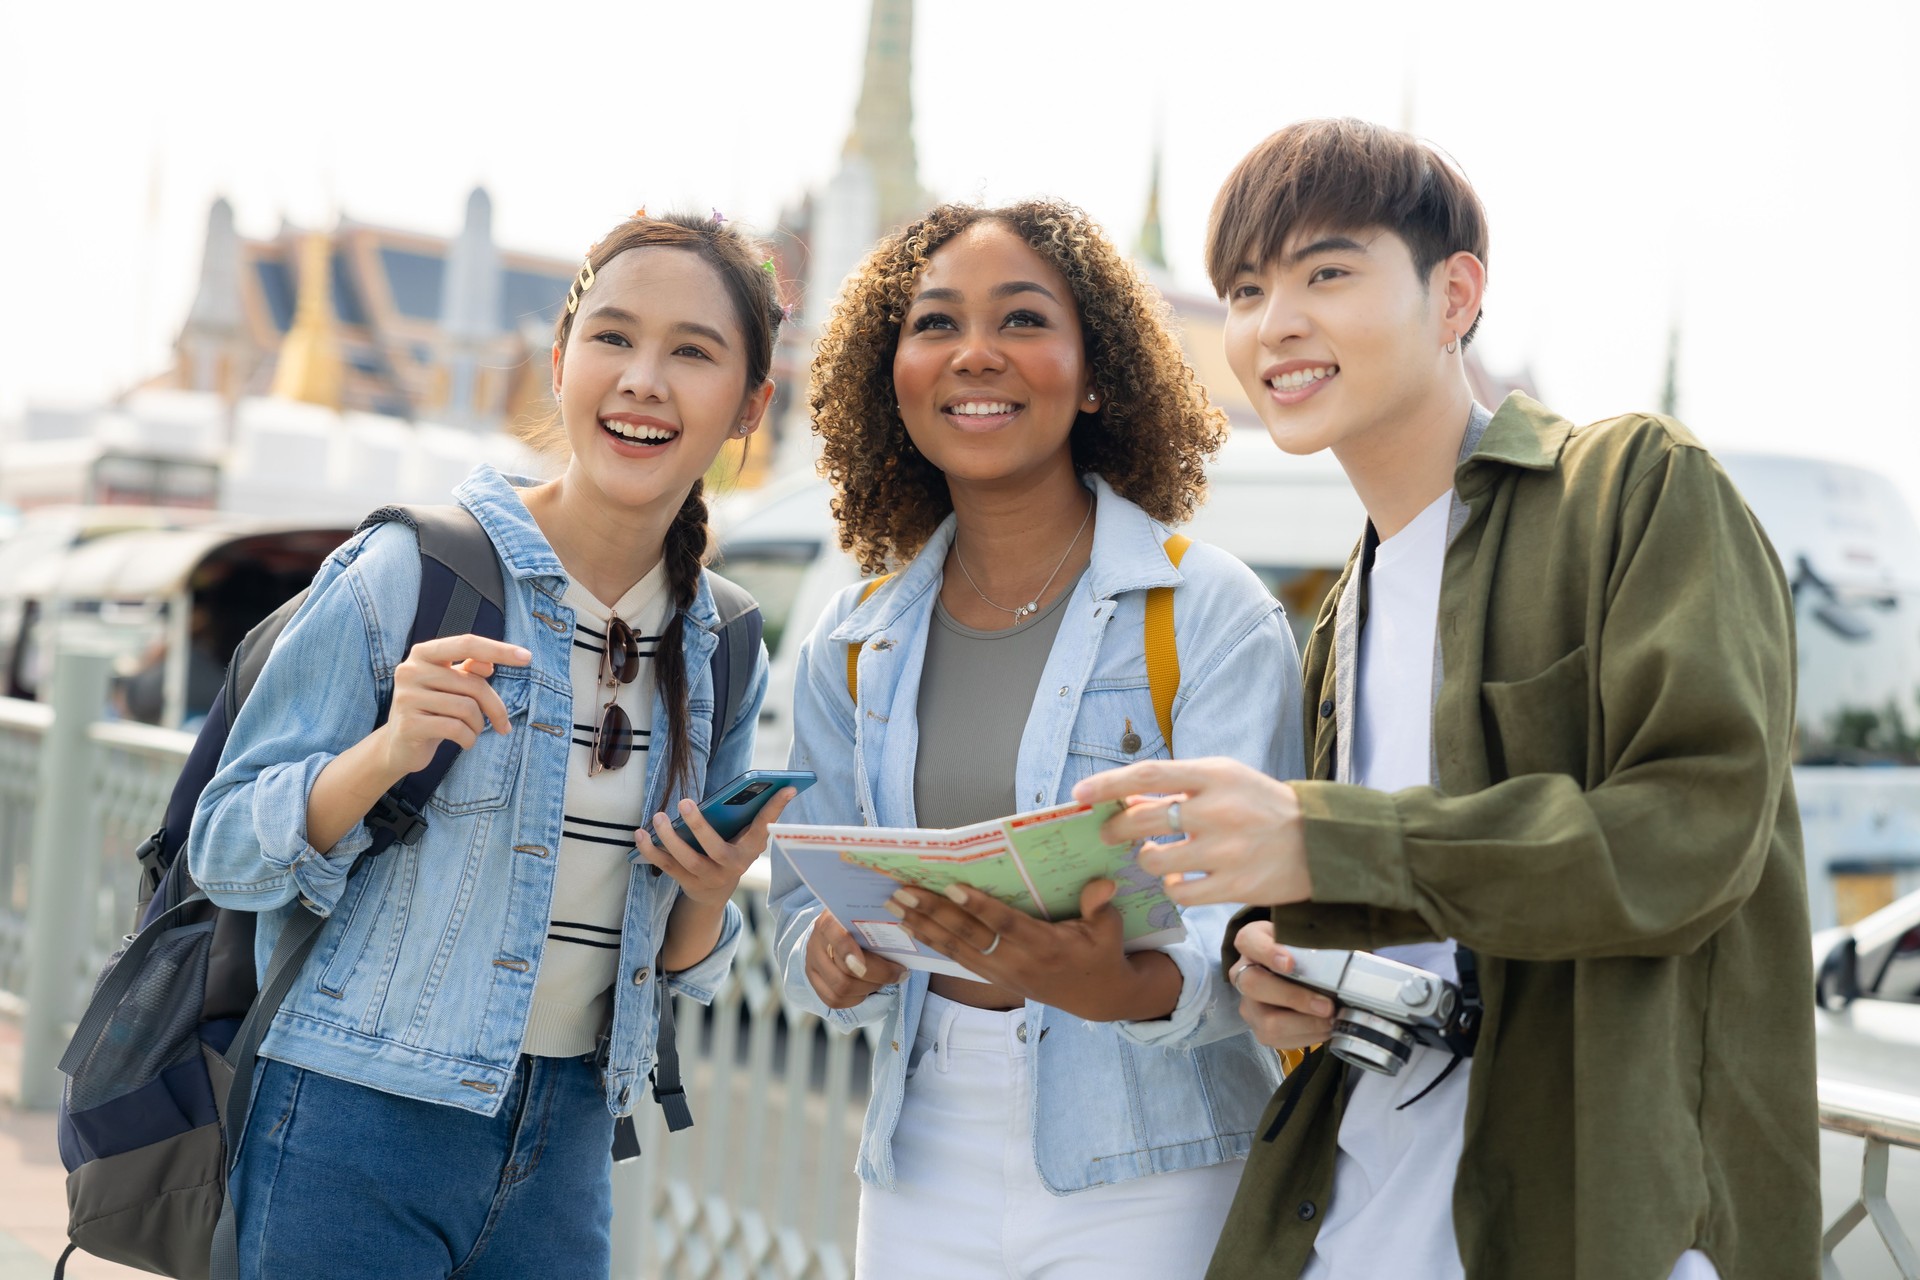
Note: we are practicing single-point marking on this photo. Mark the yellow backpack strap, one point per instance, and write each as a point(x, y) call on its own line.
point(853, 650)
point(1163, 656)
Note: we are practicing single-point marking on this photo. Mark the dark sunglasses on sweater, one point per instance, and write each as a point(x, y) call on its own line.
point(619, 664)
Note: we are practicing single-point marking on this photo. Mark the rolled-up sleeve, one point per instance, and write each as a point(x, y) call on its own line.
point(319, 694)
point(702, 981)
point(823, 741)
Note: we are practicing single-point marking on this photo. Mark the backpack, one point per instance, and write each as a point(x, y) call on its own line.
point(160, 1069)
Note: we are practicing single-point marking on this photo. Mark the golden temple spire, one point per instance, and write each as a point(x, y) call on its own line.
point(1151, 249)
point(310, 367)
point(883, 119)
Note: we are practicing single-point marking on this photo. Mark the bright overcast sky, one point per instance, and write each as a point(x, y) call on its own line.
point(1753, 169)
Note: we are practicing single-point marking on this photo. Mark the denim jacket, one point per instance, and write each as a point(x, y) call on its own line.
point(1116, 1100)
point(421, 979)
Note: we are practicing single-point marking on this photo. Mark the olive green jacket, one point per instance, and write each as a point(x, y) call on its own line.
point(1614, 835)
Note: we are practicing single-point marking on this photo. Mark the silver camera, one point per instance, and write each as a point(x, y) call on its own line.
point(1382, 1008)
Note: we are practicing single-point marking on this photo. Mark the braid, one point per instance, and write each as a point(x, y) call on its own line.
point(685, 551)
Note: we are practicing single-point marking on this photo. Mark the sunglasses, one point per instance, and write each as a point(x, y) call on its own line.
point(619, 664)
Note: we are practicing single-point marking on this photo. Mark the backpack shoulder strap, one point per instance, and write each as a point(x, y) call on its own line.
point(462, 591)
point(741, 627)
point(853, 650)
point(1163, 655)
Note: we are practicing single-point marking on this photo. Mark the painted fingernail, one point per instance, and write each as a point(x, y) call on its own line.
point(905, 899)
point(956, 893)
point(856, 966)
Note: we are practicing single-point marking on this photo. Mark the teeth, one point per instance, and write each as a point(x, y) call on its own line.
point(1302, 377)
point(981, 407)
point(634, 431)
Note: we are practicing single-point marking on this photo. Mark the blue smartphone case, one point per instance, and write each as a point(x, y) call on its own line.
point(732, 808)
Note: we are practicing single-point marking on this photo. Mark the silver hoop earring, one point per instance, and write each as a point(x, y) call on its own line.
point(1453, 346)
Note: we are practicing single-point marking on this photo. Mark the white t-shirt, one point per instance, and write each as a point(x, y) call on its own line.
point(573, 990)
point(1392, 1207)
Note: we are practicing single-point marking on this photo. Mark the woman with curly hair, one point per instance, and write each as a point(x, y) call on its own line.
point(1010, 425)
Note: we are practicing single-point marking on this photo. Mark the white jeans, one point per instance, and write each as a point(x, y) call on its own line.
point(968, 1201)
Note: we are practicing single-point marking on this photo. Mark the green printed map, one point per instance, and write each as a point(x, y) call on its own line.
point(1059, 853)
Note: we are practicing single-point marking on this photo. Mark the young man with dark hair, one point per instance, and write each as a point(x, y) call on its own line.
point(1551, 709)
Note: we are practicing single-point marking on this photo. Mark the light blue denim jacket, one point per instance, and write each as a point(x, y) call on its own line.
point(422, 977)
point(1116, 1100)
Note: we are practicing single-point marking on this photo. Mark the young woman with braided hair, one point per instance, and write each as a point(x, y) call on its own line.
point(439, 1090)
point(1010, 424)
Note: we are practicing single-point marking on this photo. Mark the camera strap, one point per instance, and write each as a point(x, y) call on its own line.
point(1462, 1031)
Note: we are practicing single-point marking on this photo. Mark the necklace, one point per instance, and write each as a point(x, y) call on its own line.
point(1033, 605)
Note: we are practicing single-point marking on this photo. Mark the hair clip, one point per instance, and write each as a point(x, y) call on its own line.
point(786, 313)
point(718, 217)
point(582, 281)
point(641, 212)
point(767, 266)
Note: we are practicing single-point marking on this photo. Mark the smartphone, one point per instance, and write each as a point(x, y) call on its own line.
point(731, 809)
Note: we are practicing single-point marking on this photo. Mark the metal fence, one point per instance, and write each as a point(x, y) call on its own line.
point(762, 1186)
point(1884, 1120)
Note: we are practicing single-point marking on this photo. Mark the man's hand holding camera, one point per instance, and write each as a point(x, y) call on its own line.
point(1283, 1014)
point(1241, 831)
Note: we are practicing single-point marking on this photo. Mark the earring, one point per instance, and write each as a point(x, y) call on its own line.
point(1452, 346)
point(1092, 398)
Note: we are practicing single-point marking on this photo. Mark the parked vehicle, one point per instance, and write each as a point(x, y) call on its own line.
point(169, 602)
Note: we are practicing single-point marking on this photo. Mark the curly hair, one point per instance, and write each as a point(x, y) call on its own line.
point(1150, 438)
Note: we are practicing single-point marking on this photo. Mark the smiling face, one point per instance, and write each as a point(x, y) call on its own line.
point(991, 368)
point(1339, 336)
point(652, 381)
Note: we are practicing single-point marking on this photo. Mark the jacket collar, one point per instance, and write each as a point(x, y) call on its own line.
point(494, 499)
point(1523, 433)
point(1128, 555)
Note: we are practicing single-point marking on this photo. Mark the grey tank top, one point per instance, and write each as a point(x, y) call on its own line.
point(976, 691)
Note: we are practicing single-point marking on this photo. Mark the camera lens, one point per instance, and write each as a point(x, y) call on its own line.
point(1367, 1040)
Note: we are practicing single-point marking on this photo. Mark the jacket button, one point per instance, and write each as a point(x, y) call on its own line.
point(640, 975)
point(1326, 708)
point(1306, 1212)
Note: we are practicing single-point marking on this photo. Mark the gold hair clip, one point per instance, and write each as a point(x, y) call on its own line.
point(582, 282)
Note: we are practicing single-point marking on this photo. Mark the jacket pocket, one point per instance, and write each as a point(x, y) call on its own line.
point(483, 776)
point(369, 891)
point(1539, 725)
point(1112, 727)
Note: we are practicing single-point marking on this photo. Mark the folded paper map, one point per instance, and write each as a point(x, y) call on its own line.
point(1034, 862)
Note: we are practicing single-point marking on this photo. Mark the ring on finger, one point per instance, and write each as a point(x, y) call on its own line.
point(1234, 974)
point(1173, 819)
point(991, 947)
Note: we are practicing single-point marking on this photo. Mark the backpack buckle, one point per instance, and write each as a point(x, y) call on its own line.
point(396, 814)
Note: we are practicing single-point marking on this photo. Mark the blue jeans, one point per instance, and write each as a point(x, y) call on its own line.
point(336, 1180)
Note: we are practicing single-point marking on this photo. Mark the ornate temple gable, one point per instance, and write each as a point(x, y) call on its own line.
point(416, 337)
